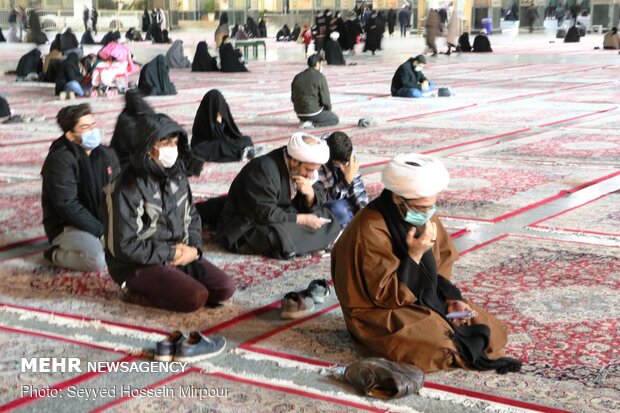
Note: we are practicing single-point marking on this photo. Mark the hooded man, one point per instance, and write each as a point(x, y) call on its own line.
point(410, 82)
point(310, 95)
point(153, 243)
point(391, 269)
point(275, 205)
point(74, 174)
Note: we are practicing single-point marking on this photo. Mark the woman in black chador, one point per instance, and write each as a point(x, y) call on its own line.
point(215, 136)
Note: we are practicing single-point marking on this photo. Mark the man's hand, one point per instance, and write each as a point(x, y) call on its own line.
point(418, 246)
point(350, 170)
point(311, 221)
point(304, 185)
point(184, 254)
point(424, 85)
point(458, 306)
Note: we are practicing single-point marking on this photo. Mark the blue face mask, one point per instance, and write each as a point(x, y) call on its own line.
point(91, 139)
point(417, 218)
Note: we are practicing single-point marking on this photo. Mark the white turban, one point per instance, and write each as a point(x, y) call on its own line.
point(305, 152)
point(334, 35)
point(411, 181)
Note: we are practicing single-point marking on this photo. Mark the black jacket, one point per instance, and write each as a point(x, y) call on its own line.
point(406, 76)
point(69, 70)
point(310, 93)
point(149, 209)
point(65, 196)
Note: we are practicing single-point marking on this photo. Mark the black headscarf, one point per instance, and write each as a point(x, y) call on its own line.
point(223, 18)
point(481, 44)
point(69, 70)
point(464, 42)
point(87, 37)
point(30, 63)
point(124, 137)
point(36, 34)
point(203, 61)
point(111, 37)
point(229, 59)
point(154, 79)
point(55, 45)
point(214, 141)
point(146, 21)
point(262, 28)
point(251, 28)
point(432, 290)
point(295, 33)
point(572, 35)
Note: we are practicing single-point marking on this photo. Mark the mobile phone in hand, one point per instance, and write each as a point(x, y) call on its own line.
point(461, 314)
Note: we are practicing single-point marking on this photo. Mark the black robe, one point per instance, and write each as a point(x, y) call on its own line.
point(251, 28)
point(124, 139)
point(333, 53)
point(259, 216)
point(464, 42)
point(203, 61)
point(295, 33)
point(69, 70)
point(374, 31)
point(353, 29)
point(68, 41)
point(55, 45)
point(146, 21)
point(214, 141)
point(36, 33)
point(481, 44)
point(262, 28)
point(391, 21)
point(111, 37)
point(283, 34)
point(229, 59)
point(5, 110)
point(154, 79)
point(572, 35)
point(2, 39)
point(87, 38)
point(30, 63)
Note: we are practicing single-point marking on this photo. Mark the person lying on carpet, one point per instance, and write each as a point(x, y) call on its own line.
point(231, 59)
point(310, 95)
point(74, 173)
point(341, 181)
point(153, 234)
point(275, 206)
point(215, 135)
point(391, 269)
point(410, 82)
point(482, 43)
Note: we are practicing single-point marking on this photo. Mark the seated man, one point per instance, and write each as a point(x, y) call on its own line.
point(333, 51)
point(310, 95)
point(153, 232)
point(482, 43)
point(410, 82)
point(74, 174)
point(275, 207)
point(611, 40)
point(391, 269)
point(341, 180)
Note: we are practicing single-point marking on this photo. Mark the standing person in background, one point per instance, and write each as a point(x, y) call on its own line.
point(391, 21)
point(532, 15)
point(146, 21)
point(433, 29)
point(94, 18)
point(403, 20)
point(86, 17)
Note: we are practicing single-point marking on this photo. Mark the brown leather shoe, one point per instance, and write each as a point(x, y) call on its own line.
point(384, 379)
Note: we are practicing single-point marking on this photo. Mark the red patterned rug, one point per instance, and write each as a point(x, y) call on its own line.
point(562, 325)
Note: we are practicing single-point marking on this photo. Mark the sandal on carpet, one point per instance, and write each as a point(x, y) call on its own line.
point(296, 305)
point(167, 348)
point(197, 347)
point(318, 290)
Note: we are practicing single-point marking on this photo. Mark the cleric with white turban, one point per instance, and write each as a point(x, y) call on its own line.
point(307, 148)
point(414, 175)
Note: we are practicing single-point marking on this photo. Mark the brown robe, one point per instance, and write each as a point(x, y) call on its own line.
point(380, 311)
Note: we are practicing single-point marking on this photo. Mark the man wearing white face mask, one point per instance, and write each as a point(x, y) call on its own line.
point(74, 174)
point(153, 234)
point(391, 269)
point(410, 82)
point(310, 95)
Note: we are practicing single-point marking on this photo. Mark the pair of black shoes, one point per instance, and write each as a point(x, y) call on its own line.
point(195, 347)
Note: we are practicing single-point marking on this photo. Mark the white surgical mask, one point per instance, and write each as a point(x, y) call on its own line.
point(418, 68)
point(168, 156)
